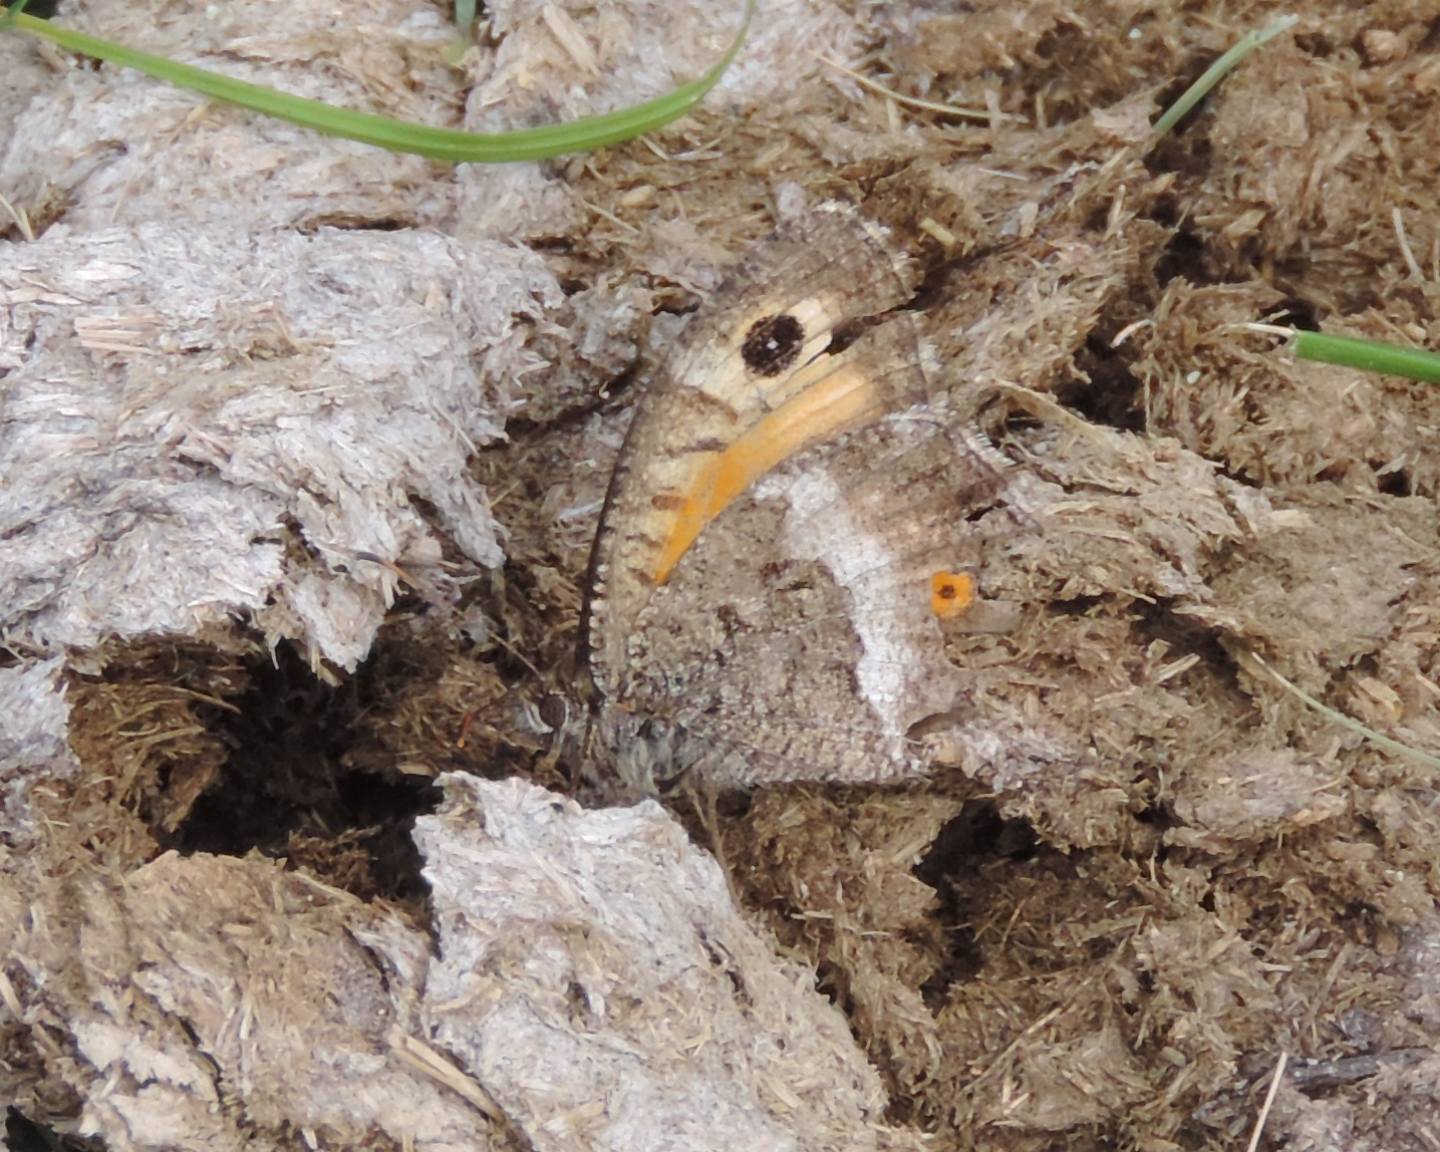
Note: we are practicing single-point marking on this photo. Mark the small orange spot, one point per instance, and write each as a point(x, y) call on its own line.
point(951, 593)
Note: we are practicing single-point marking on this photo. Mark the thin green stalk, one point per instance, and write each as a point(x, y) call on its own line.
point(1381, 741)
point(1217, 72)
point(1354, 352)
point(445, 144)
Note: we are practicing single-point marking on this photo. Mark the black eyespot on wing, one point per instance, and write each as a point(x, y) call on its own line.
point(554, 711)
point(772, 344)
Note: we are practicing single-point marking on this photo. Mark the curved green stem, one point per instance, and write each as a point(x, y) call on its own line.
point(446, 144)
point(1218, 71)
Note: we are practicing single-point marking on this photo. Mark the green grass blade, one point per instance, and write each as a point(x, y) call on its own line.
point(1218, 71)
point(1354, 352)
point(446, 144)
point(1369, 356)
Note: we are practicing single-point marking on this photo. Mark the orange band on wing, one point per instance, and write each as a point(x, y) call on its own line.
point(842, 400)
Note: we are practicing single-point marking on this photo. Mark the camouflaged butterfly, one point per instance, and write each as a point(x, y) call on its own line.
point(786, 529)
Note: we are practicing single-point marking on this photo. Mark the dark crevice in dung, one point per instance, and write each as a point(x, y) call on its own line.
point(1105, 390)
point(288, 776)
point(977, 836)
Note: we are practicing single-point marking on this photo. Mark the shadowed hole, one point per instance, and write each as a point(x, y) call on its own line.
point(288, 791)
point(978, 836)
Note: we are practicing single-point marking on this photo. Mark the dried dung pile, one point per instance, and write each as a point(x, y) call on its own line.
point(304, 446)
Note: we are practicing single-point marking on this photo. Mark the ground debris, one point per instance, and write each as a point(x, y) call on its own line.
point(303, 449)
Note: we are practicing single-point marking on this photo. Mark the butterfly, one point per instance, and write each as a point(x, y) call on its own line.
point(788, 528)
